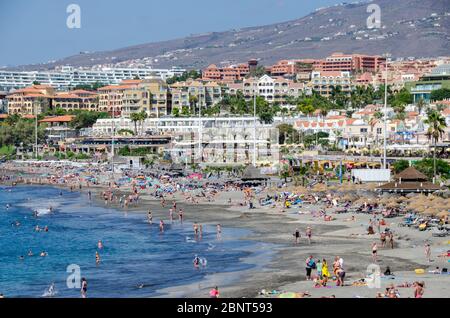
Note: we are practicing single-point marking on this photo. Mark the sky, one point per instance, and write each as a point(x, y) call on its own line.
point(35, 31)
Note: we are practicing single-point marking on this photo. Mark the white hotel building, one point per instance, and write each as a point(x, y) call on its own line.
point(224, 140)
point(67, 76)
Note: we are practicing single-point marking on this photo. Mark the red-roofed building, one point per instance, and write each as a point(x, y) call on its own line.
point(30, 100)
point(228, 74)
point(76, 100)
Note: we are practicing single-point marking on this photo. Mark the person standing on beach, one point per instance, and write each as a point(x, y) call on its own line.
point(310, 264)
point(374, 252)
point(383, 239)
point(297, 236)
point(83, 288)
point(319, 267)
point(391, 239)
point(325, 272)
point(428, 252)
point(214, 293)
point(308, 234)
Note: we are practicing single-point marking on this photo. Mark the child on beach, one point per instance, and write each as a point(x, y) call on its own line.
point(319, 266)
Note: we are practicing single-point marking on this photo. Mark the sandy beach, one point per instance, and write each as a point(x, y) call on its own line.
point(280, 264)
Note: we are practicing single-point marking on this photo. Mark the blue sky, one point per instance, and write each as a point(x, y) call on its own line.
point(34, 31)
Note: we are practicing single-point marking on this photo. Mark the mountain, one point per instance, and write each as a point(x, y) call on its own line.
point(410, 28)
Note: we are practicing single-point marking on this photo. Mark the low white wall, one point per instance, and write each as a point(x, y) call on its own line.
point(372, 175)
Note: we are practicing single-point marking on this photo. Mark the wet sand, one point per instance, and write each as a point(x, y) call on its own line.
point(281, 263)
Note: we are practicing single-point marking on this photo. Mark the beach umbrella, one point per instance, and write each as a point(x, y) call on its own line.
point(289, 295)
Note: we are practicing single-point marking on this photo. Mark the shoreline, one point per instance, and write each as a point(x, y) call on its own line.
point(284, 269)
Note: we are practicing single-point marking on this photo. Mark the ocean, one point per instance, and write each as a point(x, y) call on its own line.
point(136, 261)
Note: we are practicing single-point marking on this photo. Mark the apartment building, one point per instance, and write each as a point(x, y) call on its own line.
point(111, 97)
point(325, 81)
point(68, 77)
point(299, 69)
point(228, 74)
point(31, 100)
point(437, 79)
point(195, 94)
point(340, 62)
point(150, 96)
point(272, 89)
point(76, 100)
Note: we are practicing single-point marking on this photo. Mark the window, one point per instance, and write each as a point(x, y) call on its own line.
point(379, 131)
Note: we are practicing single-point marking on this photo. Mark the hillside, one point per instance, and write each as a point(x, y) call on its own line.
point(410, 28)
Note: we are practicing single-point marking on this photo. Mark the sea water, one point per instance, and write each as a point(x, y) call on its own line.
point(136, 260)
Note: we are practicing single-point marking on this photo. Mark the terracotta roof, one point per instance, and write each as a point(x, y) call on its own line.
point(28, 116)
point(58, 119)
point(4, 116)
point(82, 91)
point(67, 95)
point(115, 87)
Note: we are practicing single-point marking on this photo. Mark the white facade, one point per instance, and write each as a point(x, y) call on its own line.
point(224, 140)
point(68, 77)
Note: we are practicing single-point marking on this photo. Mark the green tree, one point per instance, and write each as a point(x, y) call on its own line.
point(440, 94)
point(85, 118)
point(400, 165)
point(435, 131)
point(429, 166)
point(176, 112)
point(135, 117)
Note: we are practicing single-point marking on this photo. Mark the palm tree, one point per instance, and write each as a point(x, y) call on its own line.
point(420, 105)
point(193, 100)
point(435, 131)
point(142, 117)
point(135, 117)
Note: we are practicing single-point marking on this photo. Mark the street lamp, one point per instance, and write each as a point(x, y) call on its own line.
point(254, 126)
point(385, 111)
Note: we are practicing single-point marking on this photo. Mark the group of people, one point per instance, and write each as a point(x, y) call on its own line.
point(323, 273)
point(308, 235)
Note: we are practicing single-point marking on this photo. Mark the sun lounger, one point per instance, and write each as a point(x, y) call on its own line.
point(436, 232)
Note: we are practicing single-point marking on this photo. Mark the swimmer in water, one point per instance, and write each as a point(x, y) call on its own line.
point(46, 228)
point(150, 217)
point(196, 261)
point(219, 231)
point(161, 226)
point(21, 257)
point(195, 226)
point(171, 215)
point(43, 254)
point(30, 253)
point(100, 245)
point(180, 216)
point(37, 228)
point(7, 206)
point(97, 258)
point(83, 288)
